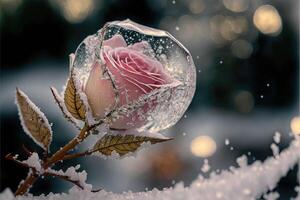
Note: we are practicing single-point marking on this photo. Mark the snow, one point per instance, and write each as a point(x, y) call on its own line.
point(277, 137)
point(275, 149)
point(41, 115)
point(227, 142)
point(245, 183)
point(34, 162)
point(205, 167)
point(74, 175)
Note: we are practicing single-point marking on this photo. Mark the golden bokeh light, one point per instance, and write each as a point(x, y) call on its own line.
point(227, 28)
point(75, 11)
point(236, 5)
point(295, 125)
point(267, 20)
point(203, 146)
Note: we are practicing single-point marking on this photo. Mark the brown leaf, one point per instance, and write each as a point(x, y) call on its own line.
point(60, 103)
point(123, 144)
point(73, 102)
point(34, 122)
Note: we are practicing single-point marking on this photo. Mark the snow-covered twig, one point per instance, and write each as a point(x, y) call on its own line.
point(64, 177)
point(14, 159)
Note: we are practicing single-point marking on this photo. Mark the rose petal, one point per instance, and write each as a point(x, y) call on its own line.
point(140, 46)
point(99, 91)
point(116, 41)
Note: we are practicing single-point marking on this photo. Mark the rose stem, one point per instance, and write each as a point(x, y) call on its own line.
point(32, 177)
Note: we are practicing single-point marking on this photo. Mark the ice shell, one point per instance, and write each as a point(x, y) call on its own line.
point(174, 57)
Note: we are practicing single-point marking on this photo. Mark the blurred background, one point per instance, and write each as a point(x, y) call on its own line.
point(247, 58)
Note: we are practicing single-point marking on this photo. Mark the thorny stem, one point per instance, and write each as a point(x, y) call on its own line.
point(58, 156)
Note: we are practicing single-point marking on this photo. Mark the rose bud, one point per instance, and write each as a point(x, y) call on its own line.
point(134, 74)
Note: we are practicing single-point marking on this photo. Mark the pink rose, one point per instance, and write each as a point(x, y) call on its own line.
point(135, 74)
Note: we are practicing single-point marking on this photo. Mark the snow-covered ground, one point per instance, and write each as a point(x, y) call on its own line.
point(246, 182)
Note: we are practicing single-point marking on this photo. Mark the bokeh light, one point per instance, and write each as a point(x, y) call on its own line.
point(241, 49)
point(236, 5)
point(244, 101)
point(267, 19)
point(167, 164)
point(227, 28)
point(75, 11)
point(196, 6)
point(295, 125)
point(203, 146)
point(10, 5)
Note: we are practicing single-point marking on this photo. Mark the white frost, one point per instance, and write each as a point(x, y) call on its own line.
point(74, 175)
point(34, 162)
point(205, 167)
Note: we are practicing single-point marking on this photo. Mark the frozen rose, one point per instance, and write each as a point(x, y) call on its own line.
point(134, 73)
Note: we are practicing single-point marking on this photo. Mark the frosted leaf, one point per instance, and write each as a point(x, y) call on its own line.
point(34, 122)
point(124, 62)
point(125, 142)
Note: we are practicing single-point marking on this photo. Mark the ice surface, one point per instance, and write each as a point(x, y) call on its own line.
point(247, 182)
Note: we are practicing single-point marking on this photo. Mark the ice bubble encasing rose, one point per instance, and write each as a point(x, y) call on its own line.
point(148, 70)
